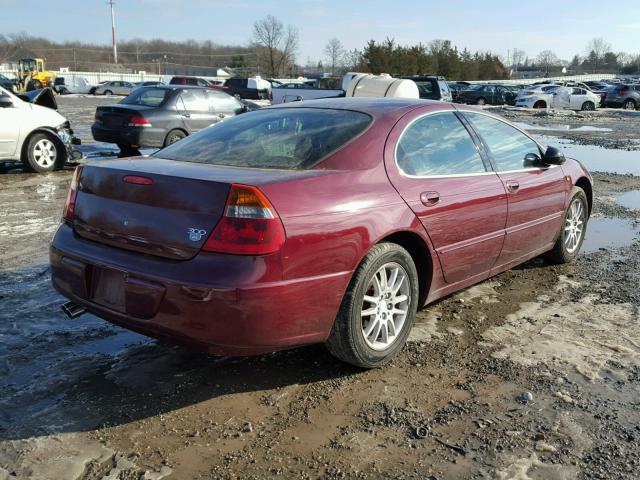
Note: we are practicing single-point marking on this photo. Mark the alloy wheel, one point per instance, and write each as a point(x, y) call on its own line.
point(574, 225)
point(45, 153)
point(385, 306)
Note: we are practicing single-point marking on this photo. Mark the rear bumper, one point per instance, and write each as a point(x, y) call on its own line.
point(229, 310)
point(130, 136)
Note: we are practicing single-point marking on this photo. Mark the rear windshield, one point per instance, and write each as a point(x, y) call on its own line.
point(150, 97)
point(283, 138)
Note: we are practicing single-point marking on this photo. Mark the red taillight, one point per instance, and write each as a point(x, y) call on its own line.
point(98, 117)
point(250, 225)
point(70, 204)
point(139, 122)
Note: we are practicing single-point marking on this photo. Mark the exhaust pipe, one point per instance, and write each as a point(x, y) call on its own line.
point(72, 310)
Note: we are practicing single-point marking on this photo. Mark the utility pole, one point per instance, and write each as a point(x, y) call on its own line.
point(113, 31)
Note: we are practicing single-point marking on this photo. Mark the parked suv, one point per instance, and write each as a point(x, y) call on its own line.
point(252, 88)
point(626, 96)
point(432, 87)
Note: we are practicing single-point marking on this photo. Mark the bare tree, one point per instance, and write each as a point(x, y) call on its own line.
point(596, 49)
point(547, 59)
point(335, 53)
point(277, 43)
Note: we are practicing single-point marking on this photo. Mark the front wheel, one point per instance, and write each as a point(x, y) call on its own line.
point(378, 310)
point(588, 106)
point(573, 230)
point(481, 101)
point(43, 154)
point(629, 105)
point(108, 92)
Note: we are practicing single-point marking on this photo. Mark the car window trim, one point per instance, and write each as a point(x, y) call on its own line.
point(488, 150)
point(451, 175)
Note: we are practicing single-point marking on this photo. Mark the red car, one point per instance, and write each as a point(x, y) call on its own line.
point(325, 221)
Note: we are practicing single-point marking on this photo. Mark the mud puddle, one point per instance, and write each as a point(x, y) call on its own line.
point(609, 233)
point(630, 199)
point(598, 158)
point(558, 127)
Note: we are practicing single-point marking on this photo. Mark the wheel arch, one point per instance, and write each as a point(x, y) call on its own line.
point(54, 138)
point(421, 255)
point(585, 184)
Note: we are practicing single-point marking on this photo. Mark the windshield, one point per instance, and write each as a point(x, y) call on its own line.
point(283, 138)
point(150, 97)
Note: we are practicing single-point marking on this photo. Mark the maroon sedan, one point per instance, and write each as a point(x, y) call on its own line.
point(325, 221)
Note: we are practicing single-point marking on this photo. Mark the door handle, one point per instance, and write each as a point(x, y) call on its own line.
point(513, 185)
point(429, 199)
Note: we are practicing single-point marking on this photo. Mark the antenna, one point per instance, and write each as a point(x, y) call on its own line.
point(111, 3)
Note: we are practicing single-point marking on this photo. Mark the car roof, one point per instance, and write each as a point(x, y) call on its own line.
point(374, 106)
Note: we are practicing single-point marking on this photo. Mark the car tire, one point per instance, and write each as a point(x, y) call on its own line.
point(173, 136)
point(629, 104)
point(481, 101)
point(357, 339)
point(567, 247)
point(43, 154)
point(108, 92)
point(588, 106)
point(540, 104)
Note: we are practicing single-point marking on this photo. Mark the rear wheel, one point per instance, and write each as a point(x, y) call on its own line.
point(571, 236)
point(481, 101)
point(43, 153)
point(173, 136)
point(378, 310)
point(108, 92)
point(540, 104)
point(629, 104)
point(588, 106)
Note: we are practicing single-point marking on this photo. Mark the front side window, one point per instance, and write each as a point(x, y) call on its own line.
point(438, 145)
point(507, 145)
point(282, 138)
point(194, 101)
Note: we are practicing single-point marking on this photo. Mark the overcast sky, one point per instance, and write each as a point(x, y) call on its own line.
point(497, 25)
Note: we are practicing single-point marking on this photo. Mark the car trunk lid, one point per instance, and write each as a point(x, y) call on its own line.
point(159, 207)
point(116, 116)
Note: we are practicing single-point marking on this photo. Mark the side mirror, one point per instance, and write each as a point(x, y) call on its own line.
point(553, 156)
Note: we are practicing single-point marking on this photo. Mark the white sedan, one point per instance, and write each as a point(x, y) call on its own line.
point(572, 98)
point(35, 134)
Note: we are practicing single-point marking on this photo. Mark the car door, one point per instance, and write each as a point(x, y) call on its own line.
point(536, 194)
point(9, 127)
point(578, 97)
point(195, 111)
point(441, 174)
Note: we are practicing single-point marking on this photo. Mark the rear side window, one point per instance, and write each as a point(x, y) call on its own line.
point(426, 89)
point(508, 145)
point(282, 138)
point(438, 145)
point(151, 97)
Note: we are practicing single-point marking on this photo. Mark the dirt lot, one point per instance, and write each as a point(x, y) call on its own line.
point(534, 374)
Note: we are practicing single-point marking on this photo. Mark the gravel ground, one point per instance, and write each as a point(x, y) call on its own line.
point(534, 374)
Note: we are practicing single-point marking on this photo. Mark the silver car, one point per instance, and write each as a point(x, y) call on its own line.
point(115, 87)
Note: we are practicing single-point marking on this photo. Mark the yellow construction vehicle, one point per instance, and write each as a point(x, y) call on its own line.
point(32, 74)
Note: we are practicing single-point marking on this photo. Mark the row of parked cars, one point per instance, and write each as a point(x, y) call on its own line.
point(569, 94)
